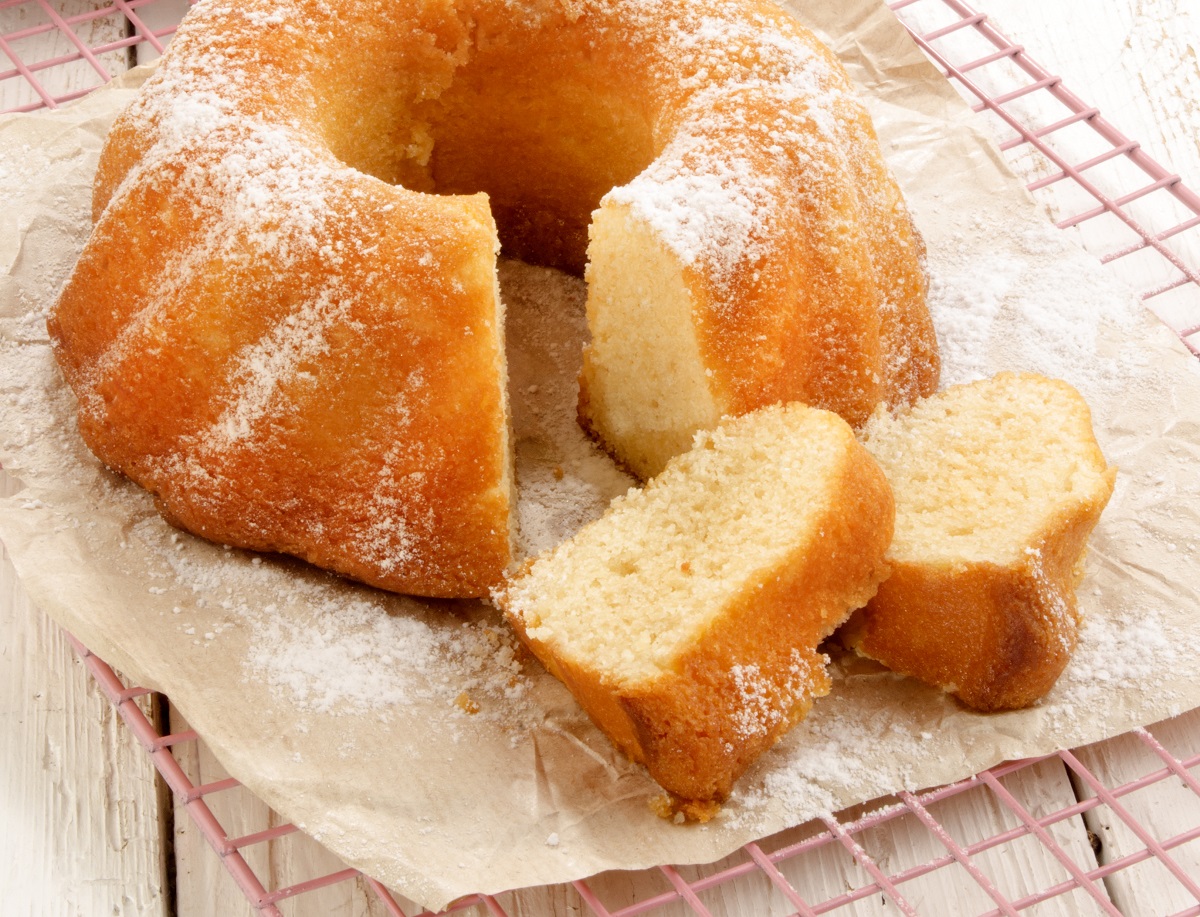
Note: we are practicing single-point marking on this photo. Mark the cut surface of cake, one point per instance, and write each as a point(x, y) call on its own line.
point(766, 256)
point(686, 620)
point(998, 485)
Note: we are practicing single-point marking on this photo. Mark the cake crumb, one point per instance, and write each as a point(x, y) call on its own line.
point(672, 808)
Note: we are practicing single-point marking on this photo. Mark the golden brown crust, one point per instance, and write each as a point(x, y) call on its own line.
point(343, 461)
point(911, 364)
point(380, 450)
point(817, 296)
point(840, 322)
point(756, 671)
point(804, 323)
point(692, 726)
point(247, 194)
point(996, 635)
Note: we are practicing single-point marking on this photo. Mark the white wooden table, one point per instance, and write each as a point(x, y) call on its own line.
point(86, 829)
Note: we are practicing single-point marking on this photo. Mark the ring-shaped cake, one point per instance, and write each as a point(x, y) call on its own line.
point(286, 324)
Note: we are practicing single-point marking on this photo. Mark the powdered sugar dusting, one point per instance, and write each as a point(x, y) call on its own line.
point(1048, 307)
point(755, 714)
point(300, 337)
point(337, 652)
point(706, 212)
point(564, 480)
point(710, 196)
point(272, 207)
point(274, 191)
point(390, 540)
point(1122, 650)
point(836, 753)
point(762, 703)
point(356, 648)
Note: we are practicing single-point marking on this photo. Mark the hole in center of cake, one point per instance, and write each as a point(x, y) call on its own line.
point(545, 158)
point(544, 142)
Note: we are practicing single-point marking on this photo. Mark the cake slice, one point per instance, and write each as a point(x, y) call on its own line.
point(998, 485)
point(686, 620)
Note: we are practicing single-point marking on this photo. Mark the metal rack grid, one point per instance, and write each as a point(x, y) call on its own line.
point(1113, 180)
point(769, 859)
point(1079, 164)
point(96, 42)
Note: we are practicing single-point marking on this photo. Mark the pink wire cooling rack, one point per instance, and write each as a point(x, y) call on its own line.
point(1040, 120)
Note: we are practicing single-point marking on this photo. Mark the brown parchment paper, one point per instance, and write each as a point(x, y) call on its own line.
point(349, 711)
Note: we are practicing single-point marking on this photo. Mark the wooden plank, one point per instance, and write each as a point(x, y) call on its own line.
point(1166, 809)
point(81, 832)
point(204, 887)
point(156, 16)
point(1016, 869)
point(80, 799)
point(44, 46)
point(1137, 64)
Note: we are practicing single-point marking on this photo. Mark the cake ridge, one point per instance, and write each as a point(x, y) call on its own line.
point(322, 195)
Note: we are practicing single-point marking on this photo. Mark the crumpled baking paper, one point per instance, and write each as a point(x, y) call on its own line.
point(413, 738)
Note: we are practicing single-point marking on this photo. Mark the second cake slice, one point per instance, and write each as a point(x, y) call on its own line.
point(998, 485)
point(686, 620)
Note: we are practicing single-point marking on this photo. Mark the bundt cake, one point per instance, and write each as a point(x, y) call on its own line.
point(998, 485)
point(686, 619)
point(286, 323)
